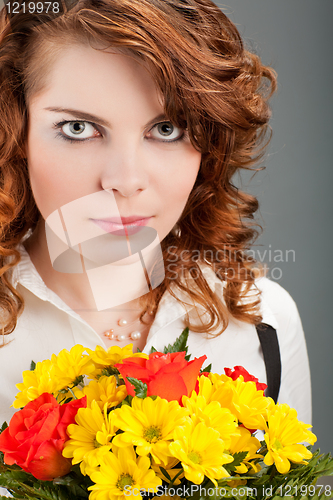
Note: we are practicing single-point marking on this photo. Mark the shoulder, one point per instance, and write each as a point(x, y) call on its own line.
point(272, 291)
point(278, 304)
point(277, 307)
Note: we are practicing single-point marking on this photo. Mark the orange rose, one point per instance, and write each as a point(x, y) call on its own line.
point(36, 436)
point(169, 375)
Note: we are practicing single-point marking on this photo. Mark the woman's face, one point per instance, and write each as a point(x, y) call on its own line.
point(99, 146)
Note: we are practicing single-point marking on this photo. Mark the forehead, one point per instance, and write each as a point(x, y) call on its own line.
point(81, 74)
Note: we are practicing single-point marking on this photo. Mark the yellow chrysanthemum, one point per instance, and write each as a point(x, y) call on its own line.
point(218, 379)
point(204, 388)
point(70, 365)
point(122, 474)
point(106, 359)
point(311, 438)
point(243, 400)
point(201, 452)
point(36, 382)
point(246, 442)
point(103, 391)
point(221, 419)
point(149, 424)
point(90, 437)
point(171, 470)
point(283, 434)
point(209, 385)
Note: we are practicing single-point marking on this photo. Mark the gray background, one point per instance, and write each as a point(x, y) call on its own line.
point(295, 37)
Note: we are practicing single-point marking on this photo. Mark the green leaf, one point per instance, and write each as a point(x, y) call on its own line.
point(140, 388)
point(152, 350)
point(127, 401)
point(32, 366)
point(3, 427)
point(290, 484)
point(9, 476)
point(238, 459)
point(180, 343)
point(24, 486)
point(207, 369)
point(108, 371)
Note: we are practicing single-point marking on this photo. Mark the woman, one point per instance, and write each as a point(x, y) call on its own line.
point(122, 125)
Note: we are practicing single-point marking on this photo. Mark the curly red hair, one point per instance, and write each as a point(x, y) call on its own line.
point(211, 85)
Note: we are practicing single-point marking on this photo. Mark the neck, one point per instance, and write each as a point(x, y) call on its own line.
point(74, 289)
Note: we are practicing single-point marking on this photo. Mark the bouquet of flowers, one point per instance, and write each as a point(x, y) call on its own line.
point(110, 424)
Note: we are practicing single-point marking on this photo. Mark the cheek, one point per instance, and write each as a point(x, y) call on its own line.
point(52, 181)
point(180, 177)
point(175, 185)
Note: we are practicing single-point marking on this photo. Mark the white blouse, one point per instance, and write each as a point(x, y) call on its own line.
point(47, 325)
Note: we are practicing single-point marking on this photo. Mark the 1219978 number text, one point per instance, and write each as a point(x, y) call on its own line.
point(32, 7)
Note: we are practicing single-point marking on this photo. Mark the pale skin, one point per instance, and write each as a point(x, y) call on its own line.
point(150, 168)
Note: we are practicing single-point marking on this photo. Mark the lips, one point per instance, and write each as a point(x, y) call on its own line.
point(125, 220)
point(122, 226)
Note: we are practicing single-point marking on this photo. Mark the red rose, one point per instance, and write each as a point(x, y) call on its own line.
point(240, 370)
point(169, 376)
point(36, 435)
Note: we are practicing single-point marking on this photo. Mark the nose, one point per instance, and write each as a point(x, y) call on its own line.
point(125, 173)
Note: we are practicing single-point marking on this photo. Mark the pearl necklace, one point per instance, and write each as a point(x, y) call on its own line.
point(135, 335)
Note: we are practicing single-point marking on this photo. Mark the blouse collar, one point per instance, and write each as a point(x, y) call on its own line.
point(169, 308)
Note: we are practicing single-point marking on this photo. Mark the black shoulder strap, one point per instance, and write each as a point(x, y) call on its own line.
point(271, 352)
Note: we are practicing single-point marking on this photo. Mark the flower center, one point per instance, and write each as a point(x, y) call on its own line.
point(124, 480)
point(277, 444)
point(195, 457)
point(152, 434)
point(97, 444)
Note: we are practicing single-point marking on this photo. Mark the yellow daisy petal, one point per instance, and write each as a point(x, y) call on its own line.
point(104, 360)
point(90, 437)
point(149, 424)
point(284, 433)
point(121, 474)
point(201, 452)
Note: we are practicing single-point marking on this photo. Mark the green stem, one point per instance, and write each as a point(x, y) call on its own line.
point(262, 450)
point(272, 474)
point(72, 393)
point(176, 476)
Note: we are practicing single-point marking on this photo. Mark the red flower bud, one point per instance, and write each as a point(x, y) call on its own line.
point(240, 370)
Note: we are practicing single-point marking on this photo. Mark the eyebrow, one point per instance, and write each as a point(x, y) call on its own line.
point(82, 115)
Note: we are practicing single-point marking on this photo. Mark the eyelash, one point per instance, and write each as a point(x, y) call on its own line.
point(69, 139)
